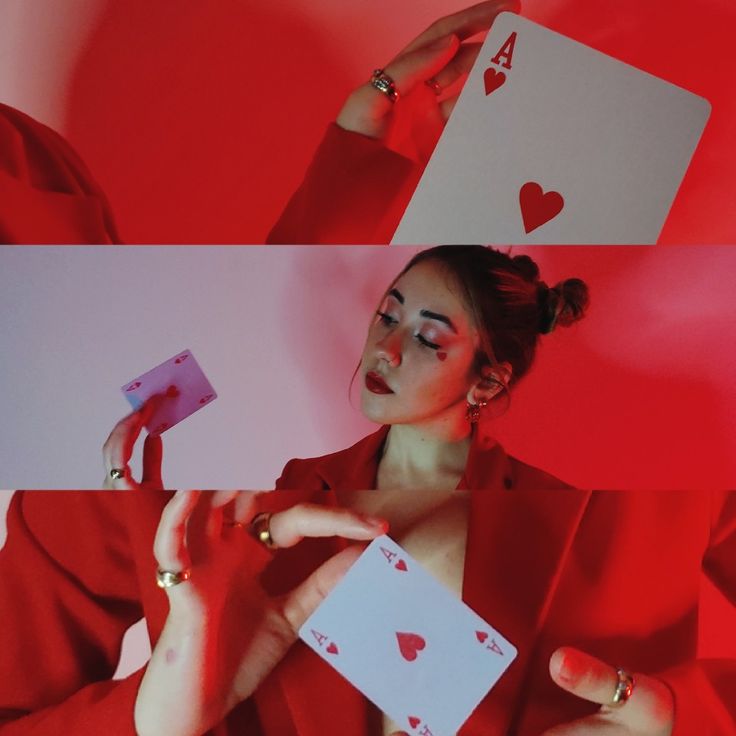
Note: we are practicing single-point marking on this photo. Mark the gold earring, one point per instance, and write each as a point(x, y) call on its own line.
point(472, 413)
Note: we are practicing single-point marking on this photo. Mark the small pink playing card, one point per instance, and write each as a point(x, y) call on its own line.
point(184, 384)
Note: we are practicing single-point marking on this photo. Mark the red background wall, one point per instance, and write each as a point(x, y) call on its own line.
point(200, 118)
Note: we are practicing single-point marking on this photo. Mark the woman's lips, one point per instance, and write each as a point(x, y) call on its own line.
point(375, 384)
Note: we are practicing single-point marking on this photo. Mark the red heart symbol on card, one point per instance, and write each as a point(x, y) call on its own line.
point(181, 359)
point(133, 386)
point(205, 399)
point(538, 206)
point(493, 79)
point(481, 636)
point(172, 392)
point(332, 648)
point(414, 721)
point(410, 645)
point(401, 565)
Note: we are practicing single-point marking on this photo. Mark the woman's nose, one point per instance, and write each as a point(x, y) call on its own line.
point(389, 349)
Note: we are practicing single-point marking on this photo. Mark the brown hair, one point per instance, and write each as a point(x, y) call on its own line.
point(508, 302)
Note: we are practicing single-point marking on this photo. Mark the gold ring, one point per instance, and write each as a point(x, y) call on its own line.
point(117, 473)
point(168, 578)
point(261, 526)
point(383, 83)
point(434, 85)
point(624, 688)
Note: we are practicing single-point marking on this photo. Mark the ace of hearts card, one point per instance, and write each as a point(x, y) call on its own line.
point(183, 386)
point(407, 642)
point(552, 142)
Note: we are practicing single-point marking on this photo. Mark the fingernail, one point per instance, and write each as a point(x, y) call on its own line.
point(374, 521)
point(569, 671)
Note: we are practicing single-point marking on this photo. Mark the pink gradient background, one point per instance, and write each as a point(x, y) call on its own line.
point(199, 119)
point(638, 394)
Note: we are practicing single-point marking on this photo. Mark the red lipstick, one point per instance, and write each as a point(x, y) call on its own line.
point(375, 384)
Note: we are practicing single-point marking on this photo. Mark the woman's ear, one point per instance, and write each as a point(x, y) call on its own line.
point(494, 380)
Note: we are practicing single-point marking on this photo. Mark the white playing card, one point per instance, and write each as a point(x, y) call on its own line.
point(407, 643)
point(554, 142)
point(184, 384)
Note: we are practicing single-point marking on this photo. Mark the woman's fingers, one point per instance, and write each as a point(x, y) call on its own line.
point(459, 66)
point(169, 544)
point(583, 675)
point(447, 106)
point(118, 448)
point(312, 520)
point(649, 708)
point(299, 605)
point(415, 67)
point(465, 23)
point(153, 449)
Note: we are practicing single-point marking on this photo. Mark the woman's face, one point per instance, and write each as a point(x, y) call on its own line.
point(418, 360)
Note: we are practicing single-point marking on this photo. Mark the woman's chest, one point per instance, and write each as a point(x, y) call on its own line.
point(431, 526)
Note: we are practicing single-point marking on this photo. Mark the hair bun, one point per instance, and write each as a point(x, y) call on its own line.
point(526, 267)
point(566, 302)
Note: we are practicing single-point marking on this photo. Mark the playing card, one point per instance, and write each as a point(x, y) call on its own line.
point(406, 642)
point(554, 142)
point(184, 384)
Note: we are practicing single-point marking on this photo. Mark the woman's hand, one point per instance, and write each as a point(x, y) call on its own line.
point(648, 712)
point(223, 634)
point(412, 125)
point(118, 449)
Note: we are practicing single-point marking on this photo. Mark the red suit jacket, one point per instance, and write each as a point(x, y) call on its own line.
point(47, 194)
point(354, 191)
point(616, 574)
point(488, 467)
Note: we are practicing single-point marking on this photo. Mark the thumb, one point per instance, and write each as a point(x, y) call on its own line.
point(650, 708)
point(299, 605)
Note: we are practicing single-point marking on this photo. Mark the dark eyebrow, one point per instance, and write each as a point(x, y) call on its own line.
point(396, 294)
point(439, 317)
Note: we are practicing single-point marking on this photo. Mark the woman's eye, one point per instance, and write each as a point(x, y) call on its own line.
point(426, 343)
point(386, 319)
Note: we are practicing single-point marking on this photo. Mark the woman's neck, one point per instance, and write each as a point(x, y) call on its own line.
point(423, 458)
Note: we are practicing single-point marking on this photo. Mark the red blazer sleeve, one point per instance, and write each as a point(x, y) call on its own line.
point(47, 194)
point(68, 593)
point(355, 191)
point(705, 691)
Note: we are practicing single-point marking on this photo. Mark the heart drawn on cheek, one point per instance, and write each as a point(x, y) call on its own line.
point(441, 355)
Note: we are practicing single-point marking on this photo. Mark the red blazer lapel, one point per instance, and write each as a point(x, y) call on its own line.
point(517, 546)
point(488, 466)
point(356, 467)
